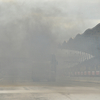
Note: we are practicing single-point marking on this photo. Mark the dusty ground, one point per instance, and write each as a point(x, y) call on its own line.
point(53, 91)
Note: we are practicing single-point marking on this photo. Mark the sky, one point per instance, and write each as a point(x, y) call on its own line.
point(68, 17)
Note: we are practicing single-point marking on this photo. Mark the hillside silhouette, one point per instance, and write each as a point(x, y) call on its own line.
point(88, 42)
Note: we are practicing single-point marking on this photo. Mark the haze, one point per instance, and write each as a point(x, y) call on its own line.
point(31, 31)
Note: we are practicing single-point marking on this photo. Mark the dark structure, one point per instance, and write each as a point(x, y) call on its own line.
point(88, 42)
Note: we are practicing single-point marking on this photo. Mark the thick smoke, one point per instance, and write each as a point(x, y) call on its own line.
point(33, 31)
point(27, 43)
point(30, 32)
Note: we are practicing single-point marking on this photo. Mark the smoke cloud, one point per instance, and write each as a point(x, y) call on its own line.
point(30, 32)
